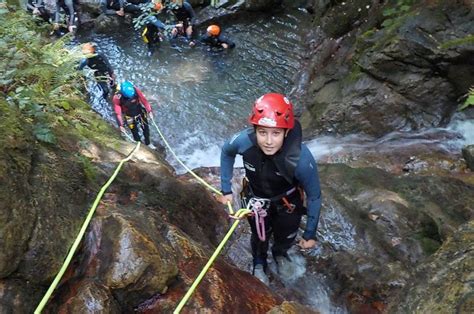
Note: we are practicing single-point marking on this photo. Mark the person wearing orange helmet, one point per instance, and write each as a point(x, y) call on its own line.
point(215, 39)
point(103, 72)
point(279, 170)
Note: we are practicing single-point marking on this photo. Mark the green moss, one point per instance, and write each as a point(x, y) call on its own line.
point(90, 170)
point(355, 73)
point(468, 40)
point(429, 246)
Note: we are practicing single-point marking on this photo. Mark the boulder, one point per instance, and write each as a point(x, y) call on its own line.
point(468, 155)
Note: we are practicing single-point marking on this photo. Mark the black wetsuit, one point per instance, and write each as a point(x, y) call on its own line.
point(152, 36)
point(38, 4)
point(216, 41)
point(103, 71)
point(136, 110)
point(276, 178)
point(184, 14)
point(110, 7)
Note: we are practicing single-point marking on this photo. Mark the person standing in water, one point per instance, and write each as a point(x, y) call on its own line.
point(279, 169)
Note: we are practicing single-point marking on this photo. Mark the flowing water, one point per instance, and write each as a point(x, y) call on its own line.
point(200, 98)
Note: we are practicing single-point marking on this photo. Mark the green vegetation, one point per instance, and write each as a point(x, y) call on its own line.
point(469, 99)
point(38, 76)
point(400, 8)
point(42, 95)
point(89, 169)
point(468, 40)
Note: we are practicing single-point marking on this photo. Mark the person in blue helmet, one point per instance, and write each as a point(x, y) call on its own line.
point(130, 103)
point(279, 170)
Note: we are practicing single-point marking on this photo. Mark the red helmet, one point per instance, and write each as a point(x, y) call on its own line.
point(273, 110)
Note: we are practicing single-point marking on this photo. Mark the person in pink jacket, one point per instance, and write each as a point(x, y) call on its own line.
point(130, 103)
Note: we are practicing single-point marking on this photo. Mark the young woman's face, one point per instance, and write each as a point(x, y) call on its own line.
point(270, 140)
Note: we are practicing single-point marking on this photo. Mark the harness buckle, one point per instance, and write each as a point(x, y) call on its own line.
point(290, 208)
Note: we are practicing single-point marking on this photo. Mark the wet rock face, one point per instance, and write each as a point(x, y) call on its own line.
point(34, 206)
point(376, 79)
point(18, 296)
point(443, 282)
point(376, 228)
point(17, 216)
point(90, 298)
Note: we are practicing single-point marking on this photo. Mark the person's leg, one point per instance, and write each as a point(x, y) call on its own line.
point(189, 32)
point(145, 128)
point(133, 9)
point(260, 248)
point(285, 230)
point(105, 88)
point(133, 126)
point(44, 14)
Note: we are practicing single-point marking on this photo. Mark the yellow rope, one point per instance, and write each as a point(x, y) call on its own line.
point(76, 243)
point(240, 214)
point(187, 168)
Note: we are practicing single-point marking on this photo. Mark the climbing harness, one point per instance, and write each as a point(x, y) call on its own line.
point(144, 37)
point(82, 231)
point(259, 208)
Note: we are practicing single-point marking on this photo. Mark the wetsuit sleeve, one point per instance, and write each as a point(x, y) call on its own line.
point(238, 144)
point(82, 64)
point(157, 22)
point(189, 9)
point(31, 4)
point(143, 100)
point(110, 71)
point(117, 109)
point(205, 39)
point(307, 174)
point(225, 40)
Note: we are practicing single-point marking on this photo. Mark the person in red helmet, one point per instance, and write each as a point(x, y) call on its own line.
point(279, 170)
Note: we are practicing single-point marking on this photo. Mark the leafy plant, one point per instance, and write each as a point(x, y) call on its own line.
point(38, 75)
point(148, 12)
point(469, 99)
point(397, 9)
